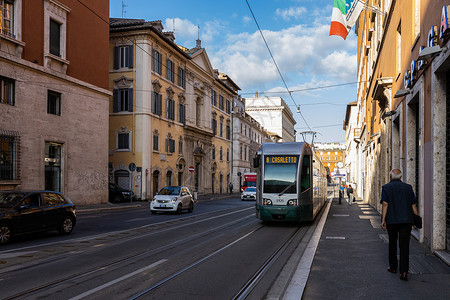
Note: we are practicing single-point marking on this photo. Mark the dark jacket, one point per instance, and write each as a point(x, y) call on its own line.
point(400, 197)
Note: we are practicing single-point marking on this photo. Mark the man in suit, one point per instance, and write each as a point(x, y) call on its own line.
point(399, 203)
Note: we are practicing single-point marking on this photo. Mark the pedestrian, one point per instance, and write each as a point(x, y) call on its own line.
point(341, 193)
point(230, 186)
point(399, 203)
point(350, 194)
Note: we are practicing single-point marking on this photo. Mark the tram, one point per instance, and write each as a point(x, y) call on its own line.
point(291, 182)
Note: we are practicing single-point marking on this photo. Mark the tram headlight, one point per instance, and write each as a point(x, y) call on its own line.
point(267, 202)
point(292, 202)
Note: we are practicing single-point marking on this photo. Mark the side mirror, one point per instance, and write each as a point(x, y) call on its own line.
point(24, 206)
point(256, 162)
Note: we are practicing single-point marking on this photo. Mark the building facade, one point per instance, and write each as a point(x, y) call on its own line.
point(54, 98)
point(273, 114)
point(332, 156)
point(170, 120)
point(403, 98)
point(248, 135)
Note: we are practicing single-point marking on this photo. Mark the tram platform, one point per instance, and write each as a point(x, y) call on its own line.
point(351, 261)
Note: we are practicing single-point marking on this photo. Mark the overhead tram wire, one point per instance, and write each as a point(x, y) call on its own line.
point(310, 89)
point(273, 59)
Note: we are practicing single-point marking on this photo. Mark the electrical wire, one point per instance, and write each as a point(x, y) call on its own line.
point(273, 59)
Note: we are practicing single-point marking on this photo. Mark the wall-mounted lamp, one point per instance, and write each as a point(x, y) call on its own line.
point(388, 114)
point(298, 109)
point(401, 93)
point(429, 52)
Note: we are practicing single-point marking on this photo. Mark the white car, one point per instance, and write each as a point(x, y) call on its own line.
point(172, 199)
point(249, 194)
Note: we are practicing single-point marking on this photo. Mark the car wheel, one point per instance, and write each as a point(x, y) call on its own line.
point(191, 207)
point(179, 209)
point(5, 234)
point(153, 212)
point(66, 226)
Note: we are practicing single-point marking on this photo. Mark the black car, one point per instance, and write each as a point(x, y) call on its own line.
point(32, 211)
point(119, 194)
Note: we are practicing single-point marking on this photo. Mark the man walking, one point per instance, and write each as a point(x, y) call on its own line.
point(350, 194)
point(399, 203)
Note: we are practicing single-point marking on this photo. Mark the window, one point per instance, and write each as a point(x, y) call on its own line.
point(7, 17)
point(170, 70)
point(123, 57)
point(228, 106)
point(7, 91)
point(157, 62)
point(55, 38)
point(213, 97)
point(228, 154)
point(123, 141)
point(228, 130)
point(170, 145)
point(170, 109)
point(221, 128)
point(221, 154)
point(182, 113)
point(181, 77)
point(122, 100)
point(8, 156)
point(155, 142)
point(156, 103)
point(52, 199)
point(214, 152)
point(214, 126)
point(221, 102)
point(240, 152)
point(54, 103)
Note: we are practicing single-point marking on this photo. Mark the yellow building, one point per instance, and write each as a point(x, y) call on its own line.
point(331, 154)
point(147, 76)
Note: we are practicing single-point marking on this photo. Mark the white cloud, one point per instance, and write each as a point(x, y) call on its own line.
point(300, 52)
point(246, 20)
point(290, 13)
point(185, 30)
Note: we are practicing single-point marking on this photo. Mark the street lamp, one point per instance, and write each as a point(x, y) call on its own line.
point(401, 93)
point(431, 52)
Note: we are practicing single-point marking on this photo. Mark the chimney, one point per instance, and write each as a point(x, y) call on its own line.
point(198, 44)
point(256, 94)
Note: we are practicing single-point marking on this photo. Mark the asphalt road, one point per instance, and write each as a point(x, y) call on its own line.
point(213, 253)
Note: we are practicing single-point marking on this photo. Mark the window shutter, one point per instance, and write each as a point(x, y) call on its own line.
point(130, 56)
point(116, 57)
point(115, 100)
point(160, 105)
point(153, 102)
point(130, 99)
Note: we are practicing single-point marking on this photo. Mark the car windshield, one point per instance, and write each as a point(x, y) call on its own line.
point(250, 189)
point(9, 199)
point(170, 190)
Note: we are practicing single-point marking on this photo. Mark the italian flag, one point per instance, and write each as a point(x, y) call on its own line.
point(338, 23)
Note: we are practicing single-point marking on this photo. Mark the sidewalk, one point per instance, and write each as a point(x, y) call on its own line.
point(352, 259)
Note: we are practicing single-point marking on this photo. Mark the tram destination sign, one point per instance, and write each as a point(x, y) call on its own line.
point(281, 159)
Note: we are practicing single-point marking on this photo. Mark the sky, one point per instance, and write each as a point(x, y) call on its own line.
point(318, 69)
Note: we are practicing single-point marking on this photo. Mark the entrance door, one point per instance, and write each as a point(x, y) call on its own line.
point(53, 166)
point(155, 182)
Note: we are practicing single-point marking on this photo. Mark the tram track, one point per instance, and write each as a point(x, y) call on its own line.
point(125, 259)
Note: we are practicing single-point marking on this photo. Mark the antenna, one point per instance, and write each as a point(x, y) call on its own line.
point(123, 8)
point(198, 26)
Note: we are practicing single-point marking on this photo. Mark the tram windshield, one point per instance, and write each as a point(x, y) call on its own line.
point(280, 174)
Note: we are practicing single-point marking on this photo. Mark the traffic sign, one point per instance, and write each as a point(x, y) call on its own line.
point(191, 169)
point(132, 167)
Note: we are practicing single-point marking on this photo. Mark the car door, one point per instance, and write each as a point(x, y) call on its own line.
point(185, 196)
point(53, 209)
point(28, 214)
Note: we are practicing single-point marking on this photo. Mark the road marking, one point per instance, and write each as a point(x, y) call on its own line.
point(335, 238)
point(90, 292)
point(340, 215)
point(298, 282)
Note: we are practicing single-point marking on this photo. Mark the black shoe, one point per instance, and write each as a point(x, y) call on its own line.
point(404, 276)
point(392, 270)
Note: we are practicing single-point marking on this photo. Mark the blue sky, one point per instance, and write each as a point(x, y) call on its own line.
point(297, 32)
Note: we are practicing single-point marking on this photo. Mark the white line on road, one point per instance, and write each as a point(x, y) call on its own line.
point(297, 285)
point(90, 292)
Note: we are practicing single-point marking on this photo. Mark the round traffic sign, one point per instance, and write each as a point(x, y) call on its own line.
point(191, 169)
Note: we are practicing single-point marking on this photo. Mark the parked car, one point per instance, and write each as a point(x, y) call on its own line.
point(249, 194)
point(172, 199)
point(32, 211)
point(119, 194)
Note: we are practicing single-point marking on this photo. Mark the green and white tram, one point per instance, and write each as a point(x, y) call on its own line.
point(291, 182)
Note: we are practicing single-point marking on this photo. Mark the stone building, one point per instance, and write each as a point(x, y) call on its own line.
point(54, 98)
point(403, 98)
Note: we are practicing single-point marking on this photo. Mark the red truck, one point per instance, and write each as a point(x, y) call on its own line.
point(249, 180)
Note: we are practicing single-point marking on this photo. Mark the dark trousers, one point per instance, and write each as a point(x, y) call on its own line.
point(402, 233)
